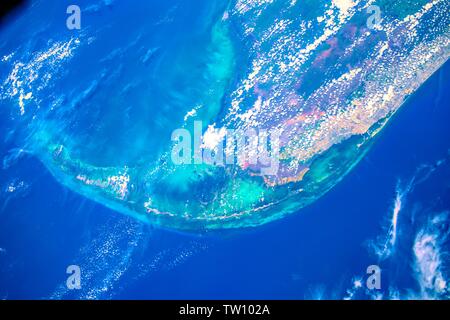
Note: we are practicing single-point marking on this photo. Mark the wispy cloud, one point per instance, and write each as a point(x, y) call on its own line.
point(424, 242)
point(384, 245)
point(430, 253)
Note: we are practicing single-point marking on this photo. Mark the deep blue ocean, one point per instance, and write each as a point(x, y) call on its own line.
point(322, 251)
